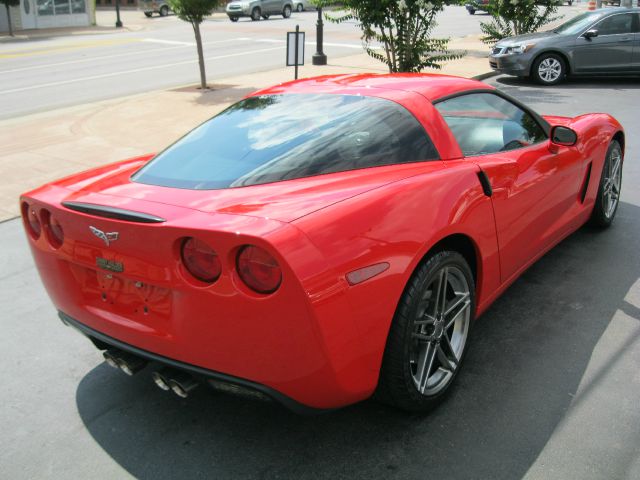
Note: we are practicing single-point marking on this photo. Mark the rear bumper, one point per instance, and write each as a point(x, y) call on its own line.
point(198, 372)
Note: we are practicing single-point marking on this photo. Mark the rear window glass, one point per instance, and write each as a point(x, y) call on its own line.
point(271, 138)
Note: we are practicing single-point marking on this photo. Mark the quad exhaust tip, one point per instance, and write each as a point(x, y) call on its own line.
point(178, 382)
point(127, 362)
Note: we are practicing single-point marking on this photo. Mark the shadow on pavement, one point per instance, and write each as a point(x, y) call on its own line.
point(527, 357)
point(572, 83)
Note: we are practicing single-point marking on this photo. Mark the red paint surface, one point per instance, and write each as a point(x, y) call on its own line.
point(317, 339)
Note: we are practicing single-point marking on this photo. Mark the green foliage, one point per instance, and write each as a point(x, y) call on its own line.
point(193, 11)
point(517, 17)
point(403, 29)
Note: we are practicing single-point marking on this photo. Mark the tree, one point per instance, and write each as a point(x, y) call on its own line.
point(194, 11)
point(7, 4)
point(517, 17)
point(403, 28)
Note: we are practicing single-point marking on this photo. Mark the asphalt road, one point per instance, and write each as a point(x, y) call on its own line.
point(48, 73)
point(549, 391)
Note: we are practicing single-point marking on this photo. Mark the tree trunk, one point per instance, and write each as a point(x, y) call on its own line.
point(203, 75)
point(9, 18)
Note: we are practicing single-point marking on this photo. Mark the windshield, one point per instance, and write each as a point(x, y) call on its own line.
point(578, 24)
point(271, 138)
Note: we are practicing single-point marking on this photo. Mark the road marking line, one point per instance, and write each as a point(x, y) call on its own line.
point(135, 70)
point(117, 55)
point(64, 48)
point(168, 42)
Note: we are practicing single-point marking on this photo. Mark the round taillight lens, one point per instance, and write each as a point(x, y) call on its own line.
point(31, 221)
point(258, 269)
point(201, 260)
point(55, 234)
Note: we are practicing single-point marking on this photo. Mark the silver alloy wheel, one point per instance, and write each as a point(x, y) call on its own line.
point(612, 182)
point(550, 69)
point(440, 330)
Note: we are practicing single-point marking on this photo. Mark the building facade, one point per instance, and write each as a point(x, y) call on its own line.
point(32, 14)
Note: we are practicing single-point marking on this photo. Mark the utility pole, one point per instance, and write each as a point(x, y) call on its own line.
point(319, 58)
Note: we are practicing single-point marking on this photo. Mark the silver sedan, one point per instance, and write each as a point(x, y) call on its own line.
point(602, 42)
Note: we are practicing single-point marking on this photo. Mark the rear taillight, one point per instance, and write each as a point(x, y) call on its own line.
point(31, 220)
point(53, 229)
point(200, 260)
point(258, 269)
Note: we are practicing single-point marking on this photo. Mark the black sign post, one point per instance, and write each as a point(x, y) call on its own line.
point(295, 49)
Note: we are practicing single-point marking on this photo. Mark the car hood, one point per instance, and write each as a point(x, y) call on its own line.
point(285, 201)
point(529, 37)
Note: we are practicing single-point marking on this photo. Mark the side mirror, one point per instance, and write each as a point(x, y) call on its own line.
point(563, 136)
point(589, 34)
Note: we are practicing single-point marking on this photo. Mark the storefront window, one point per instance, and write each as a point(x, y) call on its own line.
point(62, 7)
point(78, 6)
point(45, 7)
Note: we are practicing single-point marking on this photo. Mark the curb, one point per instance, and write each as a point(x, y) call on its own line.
point(484, 76)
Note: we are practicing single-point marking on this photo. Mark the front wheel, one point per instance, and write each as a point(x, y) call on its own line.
point(148, 14)
point(255, 14)
point(164, 11)
point(266, 17)
point(549, 69)
point(286, 12)
point(428, 337)
point(299, 7)
point(608, 197)
point(471, 11)
point(233, 19)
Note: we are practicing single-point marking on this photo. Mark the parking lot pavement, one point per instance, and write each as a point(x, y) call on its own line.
point(550, 388)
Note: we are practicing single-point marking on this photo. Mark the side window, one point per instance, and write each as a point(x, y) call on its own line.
point(485, 123)
point(615, 25)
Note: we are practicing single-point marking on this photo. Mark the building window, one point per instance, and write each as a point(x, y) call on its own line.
point(78, 6)
point(45, 7)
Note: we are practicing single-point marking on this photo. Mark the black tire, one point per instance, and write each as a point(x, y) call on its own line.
point(164, 11)
point(299, 8)
point(255, 14)
point(233, 19)
point(471, 11)
point(148, 14)
point(266, 17)
point(556, 72)
point(286, 11)
point(397, 385)
point(603, 214)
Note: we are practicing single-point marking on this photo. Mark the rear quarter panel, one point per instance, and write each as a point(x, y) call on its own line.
point(399, 224)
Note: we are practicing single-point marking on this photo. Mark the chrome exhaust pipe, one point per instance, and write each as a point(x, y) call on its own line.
point(161, 378)
point(127, 362)
point(182, 384)
point(110, 356)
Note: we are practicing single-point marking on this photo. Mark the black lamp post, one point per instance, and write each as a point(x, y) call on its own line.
point(118, 21)
point(319, 58)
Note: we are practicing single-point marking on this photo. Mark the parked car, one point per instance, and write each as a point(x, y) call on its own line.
point(255, 9)
point(149, 7)
point(599, 42)
point(321, 240)
point(477, 5)
point(302, 5)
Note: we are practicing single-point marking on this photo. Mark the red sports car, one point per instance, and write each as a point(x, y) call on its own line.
point(321, 240)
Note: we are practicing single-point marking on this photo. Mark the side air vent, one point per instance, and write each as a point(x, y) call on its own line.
point(585, 185)
point(113, 212)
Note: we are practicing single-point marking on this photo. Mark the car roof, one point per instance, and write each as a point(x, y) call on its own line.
point(430, 86)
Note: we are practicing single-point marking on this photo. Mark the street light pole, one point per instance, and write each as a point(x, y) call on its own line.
point(118, 22)
point(319, 58)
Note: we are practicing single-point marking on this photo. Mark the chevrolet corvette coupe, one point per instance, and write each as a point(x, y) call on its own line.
point(321, 241)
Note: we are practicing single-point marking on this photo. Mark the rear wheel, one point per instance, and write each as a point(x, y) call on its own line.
point(255, 14)
point(233, 19)
point(428, 337)
point(148, 14)
point(299, 7)
point(266, 17)
point(286, 12)
point(471, 11)
point(164, 11)
point(549, 69)
point(608, 197)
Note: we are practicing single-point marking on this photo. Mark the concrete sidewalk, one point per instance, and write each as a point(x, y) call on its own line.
point(42, 147)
